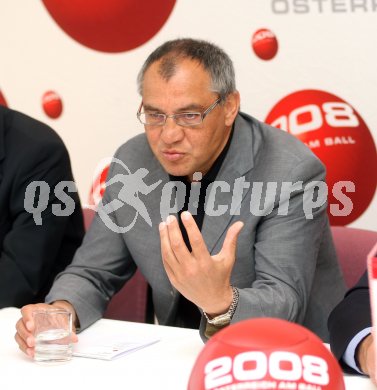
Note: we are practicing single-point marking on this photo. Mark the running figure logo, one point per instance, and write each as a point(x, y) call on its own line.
point(132, 185)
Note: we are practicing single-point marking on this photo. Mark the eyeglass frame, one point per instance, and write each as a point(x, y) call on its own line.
point(203, 114)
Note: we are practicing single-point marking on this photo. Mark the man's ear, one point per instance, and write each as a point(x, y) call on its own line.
point(232, 106)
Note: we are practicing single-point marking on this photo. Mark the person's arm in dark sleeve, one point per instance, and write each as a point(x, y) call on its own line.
point(32, 254)
point(350, 317)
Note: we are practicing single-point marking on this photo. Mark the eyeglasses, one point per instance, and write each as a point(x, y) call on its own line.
point(185, 119)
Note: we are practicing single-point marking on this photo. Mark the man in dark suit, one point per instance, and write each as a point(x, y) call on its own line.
point(32, 254)
point(350, 327)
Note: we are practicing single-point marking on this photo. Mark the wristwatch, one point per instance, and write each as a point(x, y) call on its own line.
point(224, 319)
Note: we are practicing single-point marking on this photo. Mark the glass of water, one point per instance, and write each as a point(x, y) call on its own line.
point(53, 331)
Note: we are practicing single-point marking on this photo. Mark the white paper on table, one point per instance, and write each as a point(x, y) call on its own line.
point(108, 347)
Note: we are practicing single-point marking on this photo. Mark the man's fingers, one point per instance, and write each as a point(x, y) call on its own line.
point(21, 329)
point(27, 317)
point(74, 337)
point(166, 251)
point(27, 314)
point(176, 240)
point(197, 243)
point(21, 343)
point(27, 349)
point(230, 242)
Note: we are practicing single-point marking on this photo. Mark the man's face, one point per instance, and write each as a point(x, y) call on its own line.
point(182, 151)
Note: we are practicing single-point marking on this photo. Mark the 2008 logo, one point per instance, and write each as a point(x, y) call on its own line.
point(335, 114)
point(279, 366)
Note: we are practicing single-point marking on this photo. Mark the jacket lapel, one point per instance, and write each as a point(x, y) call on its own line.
point(238, 161)
point(168, 296)
point(153, 201)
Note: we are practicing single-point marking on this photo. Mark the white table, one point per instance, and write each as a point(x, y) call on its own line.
point(165, 365)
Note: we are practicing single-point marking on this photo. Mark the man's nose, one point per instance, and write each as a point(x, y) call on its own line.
point(171, 131)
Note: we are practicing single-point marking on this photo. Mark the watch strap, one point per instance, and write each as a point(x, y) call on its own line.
point(225, 319)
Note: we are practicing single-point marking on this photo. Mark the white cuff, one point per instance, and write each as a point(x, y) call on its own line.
point(349, 354)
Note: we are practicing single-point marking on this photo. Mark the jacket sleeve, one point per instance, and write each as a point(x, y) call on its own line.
point(101, 266)
point(349, 317)
point(32, 254)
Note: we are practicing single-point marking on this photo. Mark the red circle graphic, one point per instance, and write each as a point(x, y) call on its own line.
point(52, 104)
point(111, 26)
point(98, 186)
point(264, 44)
point(3, 102)
point(338, 135)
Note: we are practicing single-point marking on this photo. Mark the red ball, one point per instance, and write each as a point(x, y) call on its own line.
point(52, 104)
point(110, 25)
point(98, 187)
point(264, 44)
point(338, 135)
point(3, 102)
point(265, 353)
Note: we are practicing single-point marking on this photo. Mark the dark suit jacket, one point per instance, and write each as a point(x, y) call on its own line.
point(349, 317)
point(31, 255)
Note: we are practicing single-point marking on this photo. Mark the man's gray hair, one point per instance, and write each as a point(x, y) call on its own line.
point(213, 59)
